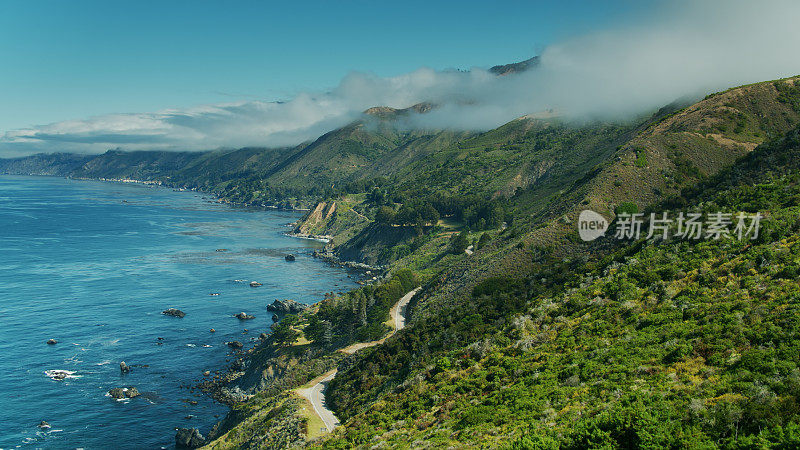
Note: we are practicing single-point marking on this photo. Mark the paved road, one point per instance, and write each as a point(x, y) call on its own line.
point(399, 310)
point(316, 393)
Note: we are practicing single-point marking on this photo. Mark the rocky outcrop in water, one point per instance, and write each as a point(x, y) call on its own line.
point(286, 307)
point(52, 342)
point(120, 393)
point(189, 438)
point(124, 368)
point(174, 312)
point(290, 257)
point(236, 345)
point(244, 316)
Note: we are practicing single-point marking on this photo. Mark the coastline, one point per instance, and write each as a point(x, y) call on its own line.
point(177, 188)
point(214, 385)
point(228, 372)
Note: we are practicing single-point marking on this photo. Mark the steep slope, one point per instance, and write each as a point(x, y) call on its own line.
point(143, 166)
point(676, 344)
point(55, 164)
point(658, 160)
point(535, 334)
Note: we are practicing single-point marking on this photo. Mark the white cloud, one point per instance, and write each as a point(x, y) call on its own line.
point(691, 48)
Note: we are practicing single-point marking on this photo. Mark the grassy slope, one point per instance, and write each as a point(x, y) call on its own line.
point(672, 162)
point(658, 345)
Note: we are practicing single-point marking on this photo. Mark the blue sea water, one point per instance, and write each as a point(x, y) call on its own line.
point(92, 265)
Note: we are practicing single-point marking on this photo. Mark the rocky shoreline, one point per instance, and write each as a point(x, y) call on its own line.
point(217, 198)
point(220, 385)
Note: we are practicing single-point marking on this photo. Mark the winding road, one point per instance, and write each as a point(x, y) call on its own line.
point(316, 393)
point(316, 396)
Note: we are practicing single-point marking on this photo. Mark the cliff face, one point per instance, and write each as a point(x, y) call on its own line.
point(335, 220)
point(318, 222)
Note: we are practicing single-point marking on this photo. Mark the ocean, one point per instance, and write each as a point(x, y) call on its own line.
point(92, 265)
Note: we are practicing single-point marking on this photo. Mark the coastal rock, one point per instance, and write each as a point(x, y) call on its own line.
point(244, 316)
point(255, 284)
point(58, 375)
point(44, 425)
point(120, 393)
point(189, 438)
point(290, 257)
point(275, 318)
point(235, 344)
point(212, 330)
point(263, 336)
point(117, 393)
point(207, 373)
point(124, 368)
point(286, 307)
point(174, 312)
point(52, 342)
point(131, 392)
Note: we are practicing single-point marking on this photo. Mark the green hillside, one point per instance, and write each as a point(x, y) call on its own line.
point(532, 338)
point(644, 344)
point(538, 340)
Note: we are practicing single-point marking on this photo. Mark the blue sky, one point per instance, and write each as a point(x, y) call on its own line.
point(62, 60)
point(86, 77)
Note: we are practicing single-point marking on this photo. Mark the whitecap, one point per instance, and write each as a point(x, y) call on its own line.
point(191, 345)
point(206, 346)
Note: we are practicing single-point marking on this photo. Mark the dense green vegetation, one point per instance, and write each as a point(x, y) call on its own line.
point(359, 315)
point(656, 344)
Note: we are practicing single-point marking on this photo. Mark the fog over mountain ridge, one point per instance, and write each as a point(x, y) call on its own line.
point(691, 48)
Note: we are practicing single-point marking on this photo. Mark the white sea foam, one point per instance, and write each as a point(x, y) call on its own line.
point(59, 374)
